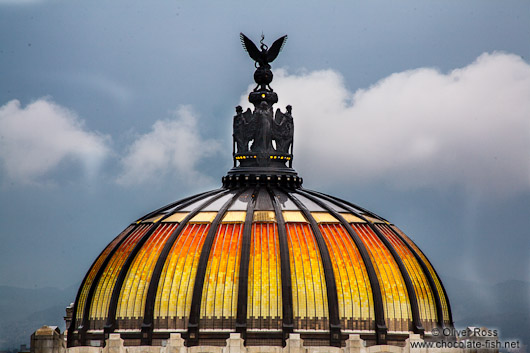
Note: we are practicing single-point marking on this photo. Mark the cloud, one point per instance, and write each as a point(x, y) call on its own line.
point(172, 147)
point(34, 140)
point(419, 128)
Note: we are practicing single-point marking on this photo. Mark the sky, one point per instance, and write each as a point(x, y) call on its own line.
point(418, 111)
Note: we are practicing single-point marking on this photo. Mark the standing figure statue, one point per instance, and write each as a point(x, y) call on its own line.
point(263, 123)
point(283, 130)
point(243, 129)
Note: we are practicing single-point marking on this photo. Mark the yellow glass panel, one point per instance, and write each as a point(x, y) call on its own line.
point(175, 288)
point(234, 217)
point(264, 279)
point(394, 292)
point(92, 274)
point(353, 286)
point(293, 216)
point(176, 217)
point(131, 302)
point(153, 219)
point(351, 218)
point(324, 217)
point(422, 289)
point(373, 219)
point(203, 217)
point(437, 282)
point(220, 283)
point(100, 302)
point(307, 276)
point(264, 216)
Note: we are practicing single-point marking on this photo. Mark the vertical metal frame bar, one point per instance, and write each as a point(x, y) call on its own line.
point(287, 287)
point(242, 292)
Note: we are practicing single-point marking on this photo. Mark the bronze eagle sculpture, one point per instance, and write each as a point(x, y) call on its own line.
point(264, 55)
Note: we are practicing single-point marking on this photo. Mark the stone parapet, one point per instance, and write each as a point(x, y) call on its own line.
point(50, 340)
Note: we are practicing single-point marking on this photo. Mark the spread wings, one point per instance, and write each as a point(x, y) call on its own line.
point(257, 55)
point(250, 48)
point(276, 48)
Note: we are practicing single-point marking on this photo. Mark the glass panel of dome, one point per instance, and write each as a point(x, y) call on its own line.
point(310, 205)
point(131, 302)
point(426, 303)
point(196, 204)
point(219, 296)
point(264, 309)
point(176, 217)
point(353, 286)
point(293, 216)
point(175, 287)
point(437, 282)
point(241, 203)
point(92, 274)
point(324, 217)
point(100, 301)
point(352, 218)
point(373, 219)
point(393, 290)
point(203, 217)
point(264, 216)
point(153, 219)
point(234, 217)
point(310, 306)
point(217, 204)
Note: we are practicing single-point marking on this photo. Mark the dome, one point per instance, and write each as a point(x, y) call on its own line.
point(261, 255)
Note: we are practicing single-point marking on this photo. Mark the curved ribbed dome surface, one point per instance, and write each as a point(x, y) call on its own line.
point(261, 260)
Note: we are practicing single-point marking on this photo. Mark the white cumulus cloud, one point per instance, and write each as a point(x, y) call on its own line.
point(469, 127)
point(172, 147)
point(35, 139)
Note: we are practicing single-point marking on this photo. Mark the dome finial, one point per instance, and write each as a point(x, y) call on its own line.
point(263, 138)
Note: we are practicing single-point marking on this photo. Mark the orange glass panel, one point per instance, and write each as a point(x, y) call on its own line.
point(175, 288)
point(395, 297)
point(131, 302)
point(310, 302)
point(353, 286)
point(93, 271)
point(439, 288)
point(219, 295)
point(424, 296)
point(264, 310)
point(100, 302)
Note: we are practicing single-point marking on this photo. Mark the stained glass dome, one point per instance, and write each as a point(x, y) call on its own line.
point(261, 255)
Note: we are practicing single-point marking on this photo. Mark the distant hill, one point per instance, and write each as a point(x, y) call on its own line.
point(22, 311)
point(504, 306)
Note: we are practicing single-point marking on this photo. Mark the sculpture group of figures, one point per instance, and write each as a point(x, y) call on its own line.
point(261, 128)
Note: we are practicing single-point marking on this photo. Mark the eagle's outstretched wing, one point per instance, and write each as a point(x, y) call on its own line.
point(251, 48)
point(276, 48)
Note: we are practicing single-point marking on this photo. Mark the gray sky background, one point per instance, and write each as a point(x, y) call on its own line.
point(417, 110)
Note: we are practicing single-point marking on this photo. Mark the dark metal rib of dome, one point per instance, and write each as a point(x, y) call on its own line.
point(242, 308)
point(261, 256)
